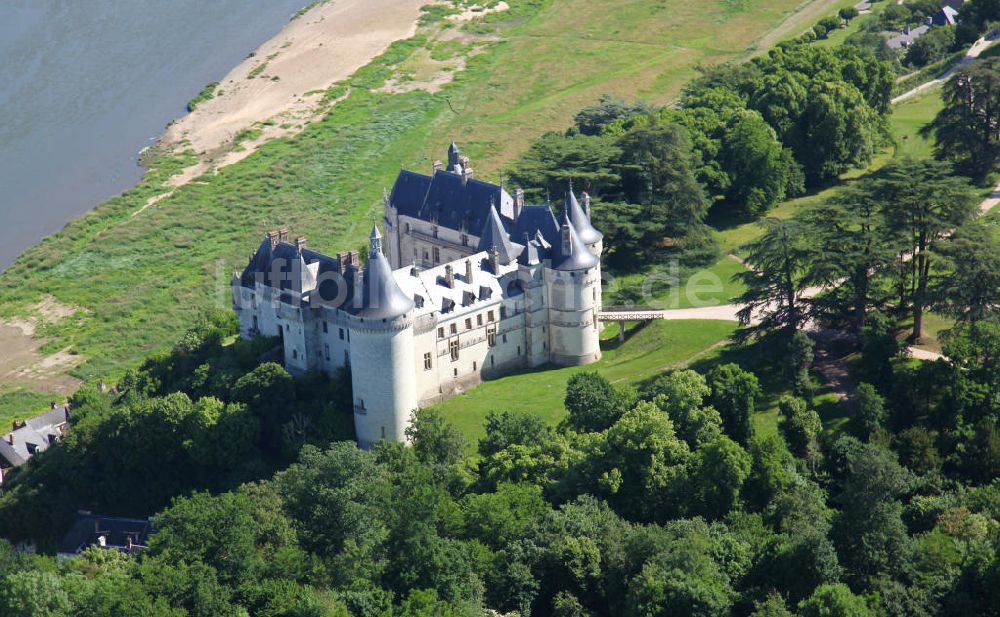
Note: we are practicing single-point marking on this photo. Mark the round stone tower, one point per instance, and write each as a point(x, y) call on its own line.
point(381, 344)
point(573, 286)
point(579, 218)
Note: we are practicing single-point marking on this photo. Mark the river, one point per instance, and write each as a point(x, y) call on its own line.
point(86, 84)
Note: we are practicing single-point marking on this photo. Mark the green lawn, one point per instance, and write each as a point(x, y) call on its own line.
point(709, 286)
point(145, 276)
point(18, 404)
point(648, 350)
point(909, 117)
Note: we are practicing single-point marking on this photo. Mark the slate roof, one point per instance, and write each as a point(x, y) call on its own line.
point(88, 528)
point(571, 253)
point(381, 297)
point(449, 200)
point(300, 271)
point(37, 435)
point(580, 220)
point(907, 38)
point(535, 220)
point(495, 235)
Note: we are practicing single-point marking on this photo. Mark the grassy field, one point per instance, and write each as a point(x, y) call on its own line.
point(648, 350)
point(18, 404)
point(140, 275)
point(709, 286)
point(909, 117)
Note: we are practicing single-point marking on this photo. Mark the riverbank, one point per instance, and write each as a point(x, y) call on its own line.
point(280, 88)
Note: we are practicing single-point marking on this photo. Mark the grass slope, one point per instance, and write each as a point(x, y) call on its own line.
point(141, 274)
point(648, 350)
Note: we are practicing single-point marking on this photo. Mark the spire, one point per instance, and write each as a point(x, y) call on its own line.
point(454, 156)
point(579, 219)
point(378, 295)
point(376, 241)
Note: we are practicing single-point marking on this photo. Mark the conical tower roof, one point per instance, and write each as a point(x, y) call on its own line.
point(580, 220)
point(571, 253)
point(380, 296)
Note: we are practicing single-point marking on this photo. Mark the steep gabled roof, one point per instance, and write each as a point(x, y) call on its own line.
point(494, 235)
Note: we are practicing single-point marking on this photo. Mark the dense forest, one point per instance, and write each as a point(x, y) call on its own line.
point(664, 499)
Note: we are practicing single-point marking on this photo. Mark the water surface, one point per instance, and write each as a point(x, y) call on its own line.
point(86, 84)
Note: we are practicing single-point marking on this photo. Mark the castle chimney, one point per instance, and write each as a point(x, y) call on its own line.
point(586, 203)
point(518, 203)
point(467, 174)
point(567, 244)
point(438, 166)
point(10, 438)
point(449, 276)
point(274, 235)
point(300, 243)
point(283, 234)
point(495, 260)
point(468, 271)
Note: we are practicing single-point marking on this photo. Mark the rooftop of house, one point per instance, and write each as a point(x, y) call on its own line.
point(32, 436)
point(907, 36)
point(112, 532)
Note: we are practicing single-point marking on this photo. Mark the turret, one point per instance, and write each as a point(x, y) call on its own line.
point(573, 288)
point(382, 365)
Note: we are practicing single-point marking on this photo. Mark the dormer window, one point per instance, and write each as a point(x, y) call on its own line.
point(418, 300)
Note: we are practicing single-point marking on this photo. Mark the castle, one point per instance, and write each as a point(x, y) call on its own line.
point(467, 283)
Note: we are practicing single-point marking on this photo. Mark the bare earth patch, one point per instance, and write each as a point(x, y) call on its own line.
point(23, 365)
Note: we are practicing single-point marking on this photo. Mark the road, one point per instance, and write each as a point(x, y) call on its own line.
point(977, 48)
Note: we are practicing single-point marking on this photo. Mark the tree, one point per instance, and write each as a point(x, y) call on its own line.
point(847, 13)
point(871, 413)
point(734, 393)
point(799, 359)
point(838, 129)
point(801, 427)
point(722, 468)
point(869, 530)
point(853, 245)
point(506, 428)
point(555, 159)
point(773, 606)
point(32, 593)
point(608, 110)
point(923, 202)
point(931, 47)
point(646, 465)
point(970, 288)
point(681, 394)
point(779, 266)
point(757, 165)
point(593, 403)
point(435, 440)
point(658, 171)
point(834, 601)
point(965, 130)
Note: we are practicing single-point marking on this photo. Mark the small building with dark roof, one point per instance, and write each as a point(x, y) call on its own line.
point(128, 535)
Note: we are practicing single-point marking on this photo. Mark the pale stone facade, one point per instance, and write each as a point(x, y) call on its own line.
point(470, 284)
